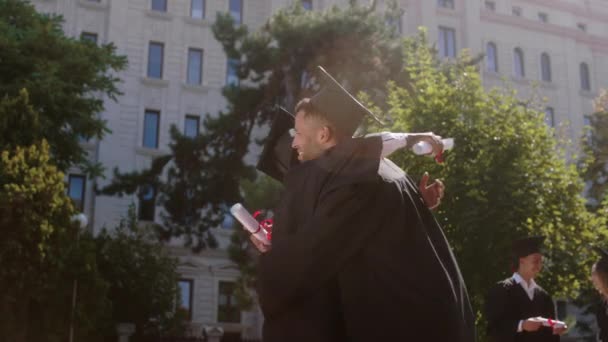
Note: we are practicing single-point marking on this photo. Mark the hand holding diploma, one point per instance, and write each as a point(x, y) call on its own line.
point(534, 323)
point(257, 230)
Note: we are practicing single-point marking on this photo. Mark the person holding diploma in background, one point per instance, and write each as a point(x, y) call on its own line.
point(515, 307)
point(356, 253)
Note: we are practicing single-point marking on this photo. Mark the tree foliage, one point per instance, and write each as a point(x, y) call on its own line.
point(66, 79)
point(595, 144)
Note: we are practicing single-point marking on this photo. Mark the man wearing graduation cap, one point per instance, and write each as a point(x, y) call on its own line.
point(516, 307)
point(356, 253)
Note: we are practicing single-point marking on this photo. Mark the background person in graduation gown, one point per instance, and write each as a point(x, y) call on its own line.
point(599, 278)
point(356, 238)
point(513, 304)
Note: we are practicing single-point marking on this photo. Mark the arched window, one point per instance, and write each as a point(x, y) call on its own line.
point(545, 67)
point(585, 81)
point(491, 57)
point(518, 63)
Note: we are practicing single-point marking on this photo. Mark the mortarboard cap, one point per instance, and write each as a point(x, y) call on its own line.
point(526, 246)
point(277, 155)
point(338, 105)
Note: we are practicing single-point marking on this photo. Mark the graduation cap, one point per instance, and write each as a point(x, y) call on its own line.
point(526, 246)
point(339, 106)
point(277, 155)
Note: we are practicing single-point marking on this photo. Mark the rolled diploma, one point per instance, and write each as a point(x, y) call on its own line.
point(551, 322)
point(249, 222)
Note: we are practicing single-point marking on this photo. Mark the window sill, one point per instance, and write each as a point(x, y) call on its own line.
point(198, 22)
point(159, 15)
point(195, 88)
point(150, 152)
point(452, 12)
point(492, 74)
point(586, 93)
point(94, 5)
point(155, 82)
point(547, 85)
point(520, 80)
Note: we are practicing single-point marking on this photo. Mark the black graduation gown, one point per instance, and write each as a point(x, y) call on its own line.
point(601, 315)
point(371, 232)
point(507, 303)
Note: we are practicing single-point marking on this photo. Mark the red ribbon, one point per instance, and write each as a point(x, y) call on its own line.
point(264, 224)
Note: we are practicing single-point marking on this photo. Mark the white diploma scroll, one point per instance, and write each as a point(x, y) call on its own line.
point(551, 323)
point(249, 222)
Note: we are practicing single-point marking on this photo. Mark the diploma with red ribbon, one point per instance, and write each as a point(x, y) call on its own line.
point(551, 323)
point(260, 230)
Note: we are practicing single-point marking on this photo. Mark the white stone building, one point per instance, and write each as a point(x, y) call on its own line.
point(177, 69)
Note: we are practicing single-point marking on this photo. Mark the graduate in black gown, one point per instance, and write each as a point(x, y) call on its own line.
point(513, 304)
point(356, 254)
point(599, 277)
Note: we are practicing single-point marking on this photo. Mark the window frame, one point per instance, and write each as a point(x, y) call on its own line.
point(518, 56)
point(157, 133)
point(200, 71)
point(162, 60)
point(445, 45)
point(78, 205)
point(197, 118)
point(495, 57)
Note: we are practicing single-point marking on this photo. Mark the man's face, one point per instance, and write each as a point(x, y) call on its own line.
point(531, 264)
point(307, 138)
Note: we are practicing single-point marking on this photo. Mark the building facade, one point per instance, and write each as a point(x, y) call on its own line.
point(555, 48)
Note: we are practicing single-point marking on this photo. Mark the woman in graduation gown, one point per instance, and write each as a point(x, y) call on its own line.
point(599, 277)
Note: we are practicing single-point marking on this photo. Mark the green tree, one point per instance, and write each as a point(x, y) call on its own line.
point(66, 78)
point(39, 257)
point(595, 143)
point(142, 278)
point(505, 178)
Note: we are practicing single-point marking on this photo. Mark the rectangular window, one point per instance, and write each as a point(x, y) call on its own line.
point(197, 9)
point(159, 5)
point(155, 60)
point(151, 128)
point(446, 3)
point(544, 17)
point(582, 27)
point(89, 37)
point(236, 10)
point(191, 126)
point(307, 4)
point(185, 297)
point(490, 6)
point(447, 42)
point(227, 309)
point(147, 203)
point(195, 66)
point(550, 117)
point(232, 78)
point(517, 11)
point(76, 188)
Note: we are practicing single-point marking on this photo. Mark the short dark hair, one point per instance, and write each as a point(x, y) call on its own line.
point(305, 105)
